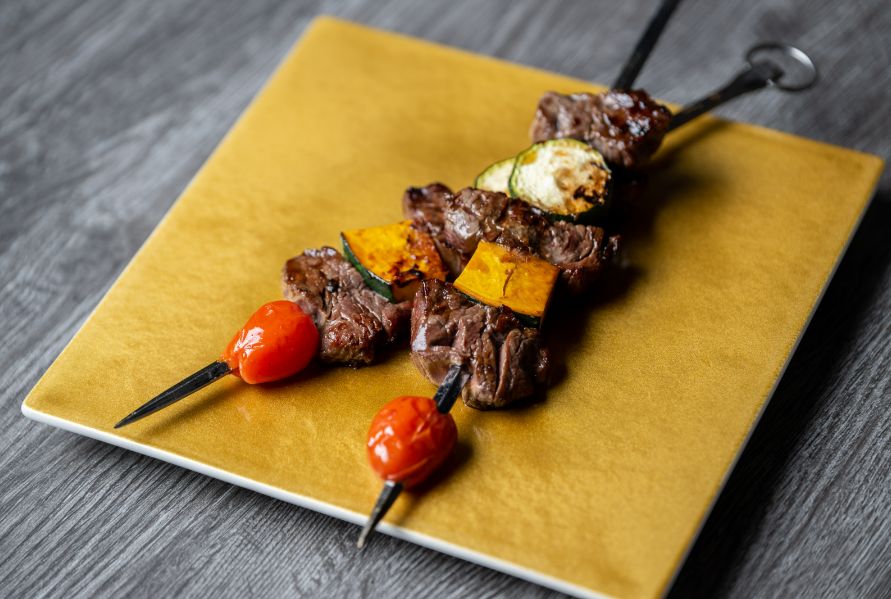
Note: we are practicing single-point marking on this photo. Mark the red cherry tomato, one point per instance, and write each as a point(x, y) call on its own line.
point(409, 439)
point(278, 340)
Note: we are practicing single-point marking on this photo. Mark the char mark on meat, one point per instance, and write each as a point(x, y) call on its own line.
point(506, 360)
point(426, 204)
point(471, 215)
point(354, 322)
point(627, 127)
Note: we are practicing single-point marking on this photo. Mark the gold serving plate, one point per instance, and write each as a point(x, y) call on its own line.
point(598, 490)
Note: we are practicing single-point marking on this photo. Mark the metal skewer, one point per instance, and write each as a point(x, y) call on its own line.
point(758, 74)
point(445, 398)
point(184, 388)
point(645, 45)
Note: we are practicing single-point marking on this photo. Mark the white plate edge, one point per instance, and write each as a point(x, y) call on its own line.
point(316, 505)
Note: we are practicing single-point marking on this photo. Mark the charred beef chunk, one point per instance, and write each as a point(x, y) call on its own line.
point(581, 252)
point(471, 215)
point(426, 204)
point(627, 127)
point(506, 360)
point(354, 322)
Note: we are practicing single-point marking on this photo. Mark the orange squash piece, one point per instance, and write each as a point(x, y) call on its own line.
point(393, 259)
point(499, 276)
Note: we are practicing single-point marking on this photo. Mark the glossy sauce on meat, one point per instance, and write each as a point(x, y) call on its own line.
point(354, 322)
point(458, 222)
point(506, 360)
point(627, 127)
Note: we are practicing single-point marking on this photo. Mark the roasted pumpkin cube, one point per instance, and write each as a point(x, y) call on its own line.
point(500, 276)
point(393, 259)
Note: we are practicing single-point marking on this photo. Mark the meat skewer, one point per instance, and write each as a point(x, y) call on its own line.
point(353, 324)
point(344, 311)
point(460, 222)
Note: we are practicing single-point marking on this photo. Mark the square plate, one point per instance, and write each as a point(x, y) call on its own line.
point(600, 489)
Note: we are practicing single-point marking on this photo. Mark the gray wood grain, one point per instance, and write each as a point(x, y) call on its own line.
point(108, 107)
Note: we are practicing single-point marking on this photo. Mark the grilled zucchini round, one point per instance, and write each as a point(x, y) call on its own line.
point(496, 177)
point(565, 178)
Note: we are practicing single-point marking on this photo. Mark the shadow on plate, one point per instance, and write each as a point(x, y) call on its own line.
point(720, 553)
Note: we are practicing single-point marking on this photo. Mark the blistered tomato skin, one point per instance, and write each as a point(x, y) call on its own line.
point(278, 340)
point(409, 439)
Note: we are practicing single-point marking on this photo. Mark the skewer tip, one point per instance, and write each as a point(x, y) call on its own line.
point(360, 542)
point(385, 500)
point(128, 419)
point(184, 388)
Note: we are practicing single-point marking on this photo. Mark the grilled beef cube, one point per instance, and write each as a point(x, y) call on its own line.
point(627, 127)
point(460, 221)
point(580, 251)
point(426, 204)
point(506, 360)
point(354, 322)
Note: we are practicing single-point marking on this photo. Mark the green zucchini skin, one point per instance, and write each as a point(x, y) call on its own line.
point(496, 177)
point(374, 282)
point(599, 208)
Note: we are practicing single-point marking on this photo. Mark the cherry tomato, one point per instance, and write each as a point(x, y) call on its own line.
point(409, 439)
point(278, 340)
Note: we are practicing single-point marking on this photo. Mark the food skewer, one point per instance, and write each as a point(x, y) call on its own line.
point(384, 266)
point(757, 76)
point(272, 347)
point(220, 368)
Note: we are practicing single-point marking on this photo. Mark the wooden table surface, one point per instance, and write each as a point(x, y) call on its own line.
point(108, 107)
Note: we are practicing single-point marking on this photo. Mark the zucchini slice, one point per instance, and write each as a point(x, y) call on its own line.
point(393, 259)
point(496, 177)
point(500, 276)
point(565, 178)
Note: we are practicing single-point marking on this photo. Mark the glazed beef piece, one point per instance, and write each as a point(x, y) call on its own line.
point(426, 204)
point(581, 252)
point(506, 360)
point(627, 127)
point(471, 215)
point(354, 322)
